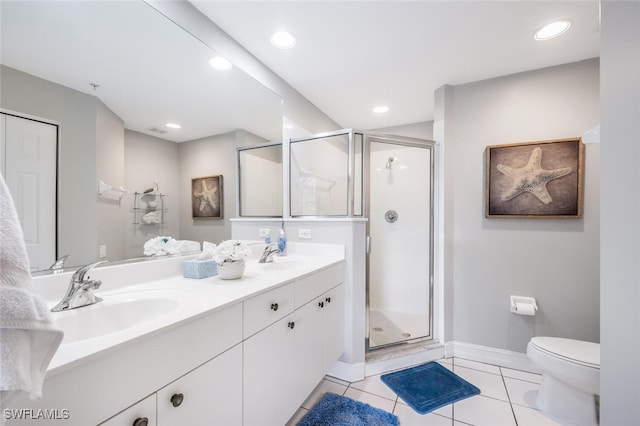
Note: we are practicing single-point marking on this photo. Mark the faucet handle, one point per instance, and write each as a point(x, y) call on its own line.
point(78, 276)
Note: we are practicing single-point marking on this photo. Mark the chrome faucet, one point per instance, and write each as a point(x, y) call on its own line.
point(267, 254)
point(80, 291)
point(58, 265)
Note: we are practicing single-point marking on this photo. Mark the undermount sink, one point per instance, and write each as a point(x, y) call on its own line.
point(117, 312)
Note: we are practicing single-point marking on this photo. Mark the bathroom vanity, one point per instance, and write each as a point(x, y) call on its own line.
point(166, 350)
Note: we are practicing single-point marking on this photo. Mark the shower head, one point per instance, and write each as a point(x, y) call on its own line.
point(389, 161)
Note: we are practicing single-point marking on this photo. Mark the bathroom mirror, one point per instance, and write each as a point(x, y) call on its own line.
point(104, 71)
point(260, 180)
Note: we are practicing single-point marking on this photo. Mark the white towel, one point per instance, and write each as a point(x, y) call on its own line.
point(28, 337)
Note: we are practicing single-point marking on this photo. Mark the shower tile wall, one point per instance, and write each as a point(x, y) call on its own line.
point(399, 260)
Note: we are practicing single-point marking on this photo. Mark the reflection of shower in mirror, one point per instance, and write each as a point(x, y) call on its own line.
point(389, 161)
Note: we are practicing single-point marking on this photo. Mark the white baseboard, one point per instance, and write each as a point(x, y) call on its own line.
point(489, 355)
point(432, 353)
point(349, 372)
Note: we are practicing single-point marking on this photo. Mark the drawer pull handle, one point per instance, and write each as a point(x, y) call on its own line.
point(176, 399)
point(141, 421)
point(321, 304)
point(291, 324)
point(328, 299)
point(274, 307)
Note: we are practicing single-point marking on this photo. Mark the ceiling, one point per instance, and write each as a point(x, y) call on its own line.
point(148, 70)
point(353, 55)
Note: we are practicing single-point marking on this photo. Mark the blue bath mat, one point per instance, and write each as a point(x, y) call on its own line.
point(336, 410)
point(428, 386)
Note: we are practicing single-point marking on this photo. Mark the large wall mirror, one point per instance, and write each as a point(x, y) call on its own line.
point(109, 76)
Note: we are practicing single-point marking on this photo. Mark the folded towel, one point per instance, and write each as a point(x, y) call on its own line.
point(28, 337)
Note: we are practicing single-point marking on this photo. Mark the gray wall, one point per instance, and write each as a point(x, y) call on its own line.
point(110, 169)
point(554, 260)
point(215, 155)
point(77, 184)
point(422, 130)
point(148, 159)
point(620, 233)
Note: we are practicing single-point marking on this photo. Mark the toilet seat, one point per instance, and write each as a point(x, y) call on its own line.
point(586, 354)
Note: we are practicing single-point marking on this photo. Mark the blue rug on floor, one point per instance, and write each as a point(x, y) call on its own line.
point(336, 410)
point(428, 386)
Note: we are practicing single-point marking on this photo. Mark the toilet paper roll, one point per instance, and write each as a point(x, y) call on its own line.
point(525, 309)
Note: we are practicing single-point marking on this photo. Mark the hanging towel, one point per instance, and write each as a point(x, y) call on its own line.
point(28, 337)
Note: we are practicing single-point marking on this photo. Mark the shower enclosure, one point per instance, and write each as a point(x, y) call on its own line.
point(400, 232)
point(390, 181)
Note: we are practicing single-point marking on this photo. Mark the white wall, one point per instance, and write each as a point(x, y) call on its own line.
point(555, 261)
point(620, 229)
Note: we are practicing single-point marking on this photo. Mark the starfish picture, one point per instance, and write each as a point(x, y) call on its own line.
point(206, 196)
point(531, 178)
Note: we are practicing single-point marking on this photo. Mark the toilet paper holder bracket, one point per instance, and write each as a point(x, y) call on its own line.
point(517, 301)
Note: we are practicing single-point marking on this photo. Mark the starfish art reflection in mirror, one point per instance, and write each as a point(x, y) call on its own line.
point(531, 178)
point(206, 196)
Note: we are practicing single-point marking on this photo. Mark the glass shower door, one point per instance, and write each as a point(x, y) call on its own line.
point(400, 250)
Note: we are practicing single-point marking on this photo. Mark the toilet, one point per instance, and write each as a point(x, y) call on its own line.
point(570, 378)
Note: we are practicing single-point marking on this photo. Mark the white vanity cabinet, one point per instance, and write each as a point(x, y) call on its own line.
point(284, 361)
point(141, 414)
point(250, 361)
point(210, 394)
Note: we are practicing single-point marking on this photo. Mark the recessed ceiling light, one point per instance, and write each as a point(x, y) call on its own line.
point(552, 30)
point(381, 109)
point(173, 126)
point(220, 63)
point(283, 40)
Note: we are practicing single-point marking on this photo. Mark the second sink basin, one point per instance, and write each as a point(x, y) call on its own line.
point(117, 312)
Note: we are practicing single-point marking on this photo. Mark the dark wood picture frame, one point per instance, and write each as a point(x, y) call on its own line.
point(207, 198)
point(542, 179)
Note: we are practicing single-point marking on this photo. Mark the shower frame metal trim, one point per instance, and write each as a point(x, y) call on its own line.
point(410, 142)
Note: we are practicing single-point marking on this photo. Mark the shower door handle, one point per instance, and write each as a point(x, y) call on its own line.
point(368, 245)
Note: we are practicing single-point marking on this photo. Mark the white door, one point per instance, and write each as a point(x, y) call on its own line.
point(30, 172)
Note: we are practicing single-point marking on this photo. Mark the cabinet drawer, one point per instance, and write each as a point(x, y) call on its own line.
point(267, 308)
point(145, 409)
point(308, 288)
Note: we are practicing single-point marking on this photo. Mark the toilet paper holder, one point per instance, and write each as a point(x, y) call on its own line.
point(523, 305)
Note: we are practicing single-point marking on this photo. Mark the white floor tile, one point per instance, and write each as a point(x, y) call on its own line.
point(371, 399)
point(336, 380)
point(521, 375)
point(489, 384)
point(297, 417)
point(324, 387)
point(521, 392)
point(461, 362)
point(482, 411)
point(446, 364)
point(445, 361)
point(408, 417)
point(529, 417)
point(374, 385)
point(446, 411)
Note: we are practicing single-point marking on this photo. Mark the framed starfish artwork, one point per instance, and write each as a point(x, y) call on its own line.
point(206, 197)
point(541, 179)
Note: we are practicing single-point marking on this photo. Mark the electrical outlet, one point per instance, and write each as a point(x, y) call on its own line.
point(103, 251)
point(304, 233)
point(264, 232)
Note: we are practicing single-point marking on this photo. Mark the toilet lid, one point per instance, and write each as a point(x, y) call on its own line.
point(577, 351)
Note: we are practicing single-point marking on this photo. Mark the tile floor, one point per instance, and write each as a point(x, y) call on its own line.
point(505, 398)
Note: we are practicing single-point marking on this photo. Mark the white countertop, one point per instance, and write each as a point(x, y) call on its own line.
point(162, 278)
